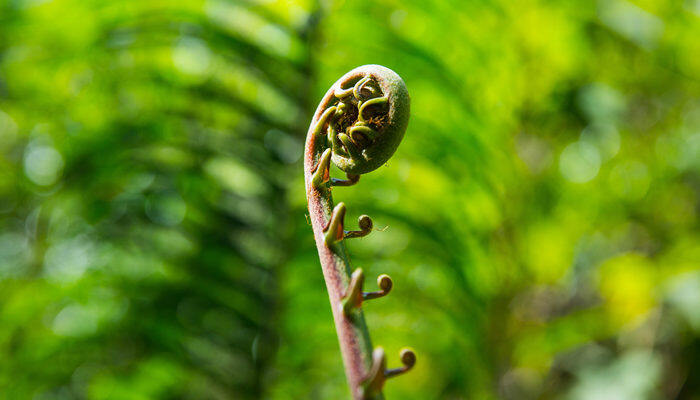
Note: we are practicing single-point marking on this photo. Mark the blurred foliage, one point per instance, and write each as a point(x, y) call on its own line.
point(542, 211)
point(144, 150)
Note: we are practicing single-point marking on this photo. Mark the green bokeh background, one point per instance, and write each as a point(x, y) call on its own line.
point(540, 219)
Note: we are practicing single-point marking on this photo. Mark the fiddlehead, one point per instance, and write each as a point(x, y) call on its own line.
point(364, 116)
point(358, 125)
